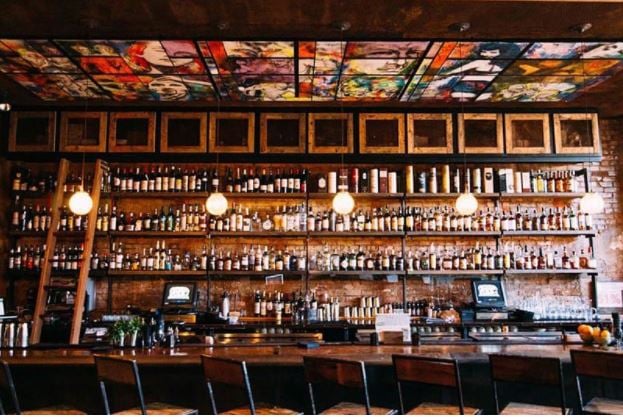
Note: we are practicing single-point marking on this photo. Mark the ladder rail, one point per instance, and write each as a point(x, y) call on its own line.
point(50, 244)
point(89, 238)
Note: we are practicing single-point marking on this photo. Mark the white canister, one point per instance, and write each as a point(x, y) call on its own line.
point(392, 182)
point(409, 180)
point(374, 180)
point(332, 182)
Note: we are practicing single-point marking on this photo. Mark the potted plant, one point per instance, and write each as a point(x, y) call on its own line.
point(117, 333)
point(132, 327)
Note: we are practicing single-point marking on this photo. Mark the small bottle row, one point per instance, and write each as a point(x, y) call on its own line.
point(38, 219)
point(511, 257)
point(161, 258)
point(445, 258)
point(176, 179)
point(447, 219)
point(489, 180)
point(30, 258)
point(23, 179)
point(309, 306)
point(295, 218)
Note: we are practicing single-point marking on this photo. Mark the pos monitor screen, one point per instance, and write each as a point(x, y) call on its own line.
point(488, 293)
point(180, 295)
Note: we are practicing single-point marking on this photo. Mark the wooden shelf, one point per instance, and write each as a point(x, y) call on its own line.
point(158, 234)
point(30, 194)
point(550, 233)
point(319, 196)
point(122, 273)
point(276, 196)
point(450, 273)
point(22, 274)
point(156, 194)
point(452, 234)
point(257, 234)
point(434, 196)
point(354, 273)
point(200, 195)
point(27, 233)
point(356, 234)
point(549, 271)
point(77, 234)
point(509, 196)
point(256, 274)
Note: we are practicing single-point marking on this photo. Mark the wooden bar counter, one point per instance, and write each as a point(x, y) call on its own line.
point(279, 355)
point(173, 375)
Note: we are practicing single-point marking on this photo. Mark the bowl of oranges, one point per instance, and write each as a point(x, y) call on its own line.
point(590, 335)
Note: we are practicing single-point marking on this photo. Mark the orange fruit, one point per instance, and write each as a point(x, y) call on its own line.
point(585, 329)
point(586, 337)
point(596, 333)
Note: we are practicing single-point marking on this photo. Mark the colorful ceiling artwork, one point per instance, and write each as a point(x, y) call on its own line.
point(409, 71)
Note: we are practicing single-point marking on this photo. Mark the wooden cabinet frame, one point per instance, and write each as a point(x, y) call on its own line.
point(150, 146)
point(591, 118)
point(499, 148)
point(164, 132)
point(411, 132)
point(265, 119)
point(249, 117)
point(364, 147)
point(14, 145)
point(65, 146)
point(311, 133)
point(508, 130)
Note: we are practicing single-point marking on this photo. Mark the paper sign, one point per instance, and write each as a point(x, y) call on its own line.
point(610, 294)
point(274, 279)
point(397, 322)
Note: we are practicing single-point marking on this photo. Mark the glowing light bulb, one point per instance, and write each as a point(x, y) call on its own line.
point(343, 202)
point(80, 203)
point(216, 204)
point(466, 204)
point(592, 203)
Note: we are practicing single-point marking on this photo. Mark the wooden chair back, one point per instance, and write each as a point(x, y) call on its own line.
point(227, 372)
point(119, 371)
point(429, 371)
point(341, 372)
point(593, 364)
point(528, 370)
point(7, 385)
point(606, 365)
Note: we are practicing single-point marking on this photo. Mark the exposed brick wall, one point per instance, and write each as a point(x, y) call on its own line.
point(606, 179)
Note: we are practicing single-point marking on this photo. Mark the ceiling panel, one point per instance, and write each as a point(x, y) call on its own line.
point(183, 70)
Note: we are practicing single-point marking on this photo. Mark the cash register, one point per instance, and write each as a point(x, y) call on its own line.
point(489, 302)
point(179, 302)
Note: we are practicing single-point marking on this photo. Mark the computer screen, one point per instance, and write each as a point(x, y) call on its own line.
point(179, 294)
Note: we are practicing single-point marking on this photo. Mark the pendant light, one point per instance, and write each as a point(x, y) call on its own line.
point(4, 103)
point(80, 202)
point(343, 202)
point(216, 203)
point(591, 202)
point(466, 203)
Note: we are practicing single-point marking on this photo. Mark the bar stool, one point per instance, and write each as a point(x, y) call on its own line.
point(527, 370)
point(8, 386)
point(430, 371)
point(234, 373)
point(124, 372)
point(343, 373)
point(599, 365)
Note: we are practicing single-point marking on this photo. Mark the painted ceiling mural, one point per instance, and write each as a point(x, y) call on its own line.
point(408, 71)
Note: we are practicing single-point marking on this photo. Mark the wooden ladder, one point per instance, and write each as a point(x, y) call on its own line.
point(83, 273)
